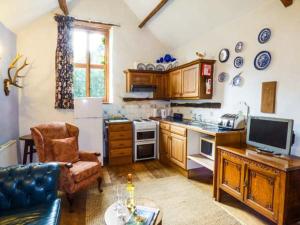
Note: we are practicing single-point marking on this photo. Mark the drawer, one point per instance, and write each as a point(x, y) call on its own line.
point(120, 135)
point(120, 127)
point(120, 152)
point(120, 144)
point(164, 126)
point(178, 130)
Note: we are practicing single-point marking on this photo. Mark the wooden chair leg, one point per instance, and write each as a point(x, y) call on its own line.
point(99, 184)
point(71, 201)
point(26, 152)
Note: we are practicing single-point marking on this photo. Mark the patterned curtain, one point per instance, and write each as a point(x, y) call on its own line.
point(64, 67)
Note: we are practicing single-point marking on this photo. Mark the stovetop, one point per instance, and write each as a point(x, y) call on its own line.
point(144, 124)
point(142, 120)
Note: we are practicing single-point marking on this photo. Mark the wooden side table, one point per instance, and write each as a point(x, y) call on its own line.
point(28, 148)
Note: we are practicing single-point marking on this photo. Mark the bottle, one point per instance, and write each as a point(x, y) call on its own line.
point(130, 190)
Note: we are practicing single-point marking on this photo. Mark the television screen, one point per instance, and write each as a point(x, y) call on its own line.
point(270, 134)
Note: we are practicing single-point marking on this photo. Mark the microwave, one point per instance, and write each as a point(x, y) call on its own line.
point(207, 148)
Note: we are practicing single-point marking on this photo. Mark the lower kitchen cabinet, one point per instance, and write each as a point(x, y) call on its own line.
point(178, 150)
point(120, 143)
point(267, 184)
point(172, 146)
point(164, 146)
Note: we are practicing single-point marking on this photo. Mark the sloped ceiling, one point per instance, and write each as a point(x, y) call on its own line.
point(17, 13)
point(181, 21)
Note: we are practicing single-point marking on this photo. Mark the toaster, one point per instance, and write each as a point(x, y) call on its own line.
point(232, 122)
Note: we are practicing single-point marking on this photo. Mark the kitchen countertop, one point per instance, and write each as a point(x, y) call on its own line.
point(207, 128)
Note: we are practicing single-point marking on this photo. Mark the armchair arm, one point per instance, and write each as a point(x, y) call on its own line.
point(88, 156)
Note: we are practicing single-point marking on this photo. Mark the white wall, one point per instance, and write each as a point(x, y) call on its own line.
point(38, 42)
point(9, 115)
point(284, 47)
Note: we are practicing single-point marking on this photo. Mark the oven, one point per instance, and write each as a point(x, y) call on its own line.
point(145, 150)
point(145, 135)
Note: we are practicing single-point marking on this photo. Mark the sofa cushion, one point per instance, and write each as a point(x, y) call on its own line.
point(41, 214)
point(65, 150)
point(83, 169)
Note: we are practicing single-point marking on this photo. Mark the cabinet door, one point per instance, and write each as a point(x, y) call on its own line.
point(176, 84)
point(159, 81)
point(141, 78)
point(167, 89)
point(262, 189)
point(190, 82)
point(231, 174)
point(164, 146)
point(178, 150)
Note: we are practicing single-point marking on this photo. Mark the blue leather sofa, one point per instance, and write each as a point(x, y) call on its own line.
point(28, 195)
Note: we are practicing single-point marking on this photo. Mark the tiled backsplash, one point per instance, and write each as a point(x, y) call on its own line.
point(133, 110)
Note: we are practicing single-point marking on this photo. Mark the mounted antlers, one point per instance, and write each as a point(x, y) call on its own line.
point(12, 80)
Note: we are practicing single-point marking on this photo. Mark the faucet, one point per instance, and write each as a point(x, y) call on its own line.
point(194, 117)
point(200, 118)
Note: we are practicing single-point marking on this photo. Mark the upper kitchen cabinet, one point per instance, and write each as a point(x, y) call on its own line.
point(193, 80)
point(176, 84)
point(137, 80)
point(190, 81)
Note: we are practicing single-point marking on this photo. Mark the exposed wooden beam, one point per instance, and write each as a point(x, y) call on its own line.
point(64, 6)
point(153, 12)
point(287, 3)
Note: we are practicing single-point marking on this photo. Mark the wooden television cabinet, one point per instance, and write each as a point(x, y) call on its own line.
point(268, 184)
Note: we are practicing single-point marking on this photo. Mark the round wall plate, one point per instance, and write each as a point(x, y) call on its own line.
point(224, 55)
point(238, 62)
point(222, 77)
point(239, 47)
point(262, 60)
point(264, 35)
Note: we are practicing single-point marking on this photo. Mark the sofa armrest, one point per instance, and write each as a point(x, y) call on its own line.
point(88, 156)
point(65, 164)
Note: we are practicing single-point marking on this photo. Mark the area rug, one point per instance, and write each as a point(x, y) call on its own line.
point(183, 202)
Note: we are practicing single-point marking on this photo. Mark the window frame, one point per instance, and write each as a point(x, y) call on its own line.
point(105, 30)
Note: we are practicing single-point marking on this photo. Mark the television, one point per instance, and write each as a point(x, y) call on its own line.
point(273, 135)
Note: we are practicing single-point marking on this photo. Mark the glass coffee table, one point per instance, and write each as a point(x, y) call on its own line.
point(111, 218)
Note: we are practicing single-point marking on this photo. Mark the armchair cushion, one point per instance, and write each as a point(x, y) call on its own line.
point(65, 150)
point(83, 170)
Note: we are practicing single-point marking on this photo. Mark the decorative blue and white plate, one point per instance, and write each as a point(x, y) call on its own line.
point(160, 67)
point(222, 77)
point(237, 80)
point(239, 47)
point(150, 67)
point(264, 35)
point(238, 62)
point(224, 55)
point(262, 60)
point(141, 66)
point(170, 66)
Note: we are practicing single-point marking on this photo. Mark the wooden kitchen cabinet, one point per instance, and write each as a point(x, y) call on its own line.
point(159, 82)
point(178, 150)
point(138, 78)
point(176, 84)
point(120, 143)
point(182, 82)
point(190, 81)
point(164, 146)
point(268, 184)
point(173, 145)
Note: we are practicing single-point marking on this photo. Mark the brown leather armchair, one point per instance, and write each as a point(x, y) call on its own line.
point(73, 176)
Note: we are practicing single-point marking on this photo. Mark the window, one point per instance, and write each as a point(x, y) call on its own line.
point(91, 75)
